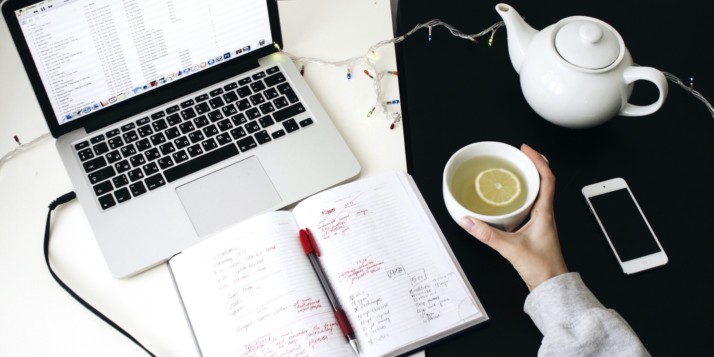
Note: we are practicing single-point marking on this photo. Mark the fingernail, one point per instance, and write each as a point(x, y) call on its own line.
point(466, 223)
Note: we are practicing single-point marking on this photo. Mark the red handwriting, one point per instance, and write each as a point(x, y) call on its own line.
point(363, 268)
point(308, 304)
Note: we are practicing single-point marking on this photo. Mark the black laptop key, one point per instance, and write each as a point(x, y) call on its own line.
point(101, 149)
point(305, 122)
point(201, 121)
point(102, 188)
point(244, 91)
point(113, 156)
point(159, 125)
point(290, 125)
point(172, 109)
point(257, 86)
point(262, 137)
point(173, 119)
point(271, 93)
point(137, 188)
point(97, 139)
point(230, 97)
point(253, 113)
point(158, 115)
point(101, 174)
point(194, 150)
point(210, 130)
point(257, 99)
point(152, 154)
point(130, 136)
point(127, 127)
point(128, 150)
point(94, 164)
point(243, 104)
point(229, 110)
point(215, 115)
point(172, 133)
point(188, 113)
point(288, 112)
point(122, 166)
point(107, 201)
point(230, 86)
point(278, 134)
point(266, 108)
point(238, 133)
point(165, 162)
point(122, 195)
point(150, 169)
point(252, 127)
point(202, 108)
point(85, 154)
point(246, 144)
point(179, 156)
point(244, 81)
point(258, 75)
point(272, 70)
point(144, 131)
point(137, 160)
point(112, 133)
point(135, 174)
point(274, 79)
point(81, 145)
point(119, 181)
point(223, 138)
point(216, 92)
point(281, 102)
point(154, 182)
point(187, 127)
point(224, 125)
point(158, 139)
point(216, 102)
point(143, 121)
point(201, 98)
point(181, 142)
point(200, 162)
point(266, 121)
point(209, 144)
point(115, 142)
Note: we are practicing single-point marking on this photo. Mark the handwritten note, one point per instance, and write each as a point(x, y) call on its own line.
point(387, 263)
point(262, 297)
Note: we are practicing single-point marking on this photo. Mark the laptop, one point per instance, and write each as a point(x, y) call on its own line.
point(174, 119)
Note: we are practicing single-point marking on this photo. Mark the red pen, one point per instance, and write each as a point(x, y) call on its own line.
point(310, 247)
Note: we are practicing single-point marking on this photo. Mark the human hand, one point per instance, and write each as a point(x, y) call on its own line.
point(534, 249)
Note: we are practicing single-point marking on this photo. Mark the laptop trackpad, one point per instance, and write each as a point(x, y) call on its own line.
point(229, 195)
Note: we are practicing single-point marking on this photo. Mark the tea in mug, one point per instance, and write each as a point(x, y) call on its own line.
point(489, 185)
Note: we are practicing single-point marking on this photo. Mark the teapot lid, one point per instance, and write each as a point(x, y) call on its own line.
point(587, 44)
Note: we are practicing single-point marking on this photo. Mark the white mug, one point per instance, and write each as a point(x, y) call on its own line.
point(517, 158)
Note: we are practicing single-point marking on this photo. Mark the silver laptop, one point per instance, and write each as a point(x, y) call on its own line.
point(174, 119)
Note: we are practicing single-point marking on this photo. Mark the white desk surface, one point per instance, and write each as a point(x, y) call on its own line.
point(37, 317)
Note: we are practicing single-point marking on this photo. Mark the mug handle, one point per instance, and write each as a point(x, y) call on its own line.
point(635, 73)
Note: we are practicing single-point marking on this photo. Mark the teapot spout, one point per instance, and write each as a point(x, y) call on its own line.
point(520, 34)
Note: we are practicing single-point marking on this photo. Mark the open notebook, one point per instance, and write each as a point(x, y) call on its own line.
point(251, 291)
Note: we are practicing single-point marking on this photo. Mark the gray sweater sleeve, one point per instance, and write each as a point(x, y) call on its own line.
point(574, 323)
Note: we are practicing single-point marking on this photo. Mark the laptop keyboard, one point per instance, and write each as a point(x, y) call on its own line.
point(190, 135)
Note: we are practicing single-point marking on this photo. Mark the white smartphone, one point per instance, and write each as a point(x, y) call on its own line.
point(626, 229)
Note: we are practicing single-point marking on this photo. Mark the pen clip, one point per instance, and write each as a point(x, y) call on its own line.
point(308, 242)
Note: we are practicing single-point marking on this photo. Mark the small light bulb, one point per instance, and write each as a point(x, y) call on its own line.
point(370, 112)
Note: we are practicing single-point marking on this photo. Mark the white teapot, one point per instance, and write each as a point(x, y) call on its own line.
point(576, 73)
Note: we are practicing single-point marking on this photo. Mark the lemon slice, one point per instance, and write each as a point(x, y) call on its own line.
point(497, 187)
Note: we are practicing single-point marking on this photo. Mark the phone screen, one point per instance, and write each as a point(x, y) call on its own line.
point(626, 227)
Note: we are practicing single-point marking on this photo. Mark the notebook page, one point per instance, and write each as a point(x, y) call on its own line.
point(251, 291)
point(387, 263)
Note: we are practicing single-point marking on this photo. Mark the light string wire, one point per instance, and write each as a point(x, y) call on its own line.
point(22, 147)
point(369, 61)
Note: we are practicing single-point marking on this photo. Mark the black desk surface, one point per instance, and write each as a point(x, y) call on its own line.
point(455, 92)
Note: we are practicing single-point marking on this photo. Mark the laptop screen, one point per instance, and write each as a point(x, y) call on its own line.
point(92, 54)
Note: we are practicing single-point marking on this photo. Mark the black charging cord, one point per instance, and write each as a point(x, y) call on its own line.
point(59, 201)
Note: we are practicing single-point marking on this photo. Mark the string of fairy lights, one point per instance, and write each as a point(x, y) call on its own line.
point(369, 62)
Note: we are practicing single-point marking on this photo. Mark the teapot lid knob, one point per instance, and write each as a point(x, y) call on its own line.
point(587, 43)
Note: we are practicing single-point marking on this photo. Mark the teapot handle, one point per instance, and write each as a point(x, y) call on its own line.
point(635, 73)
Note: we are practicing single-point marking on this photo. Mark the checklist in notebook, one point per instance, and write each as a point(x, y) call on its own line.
point(251, 291)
